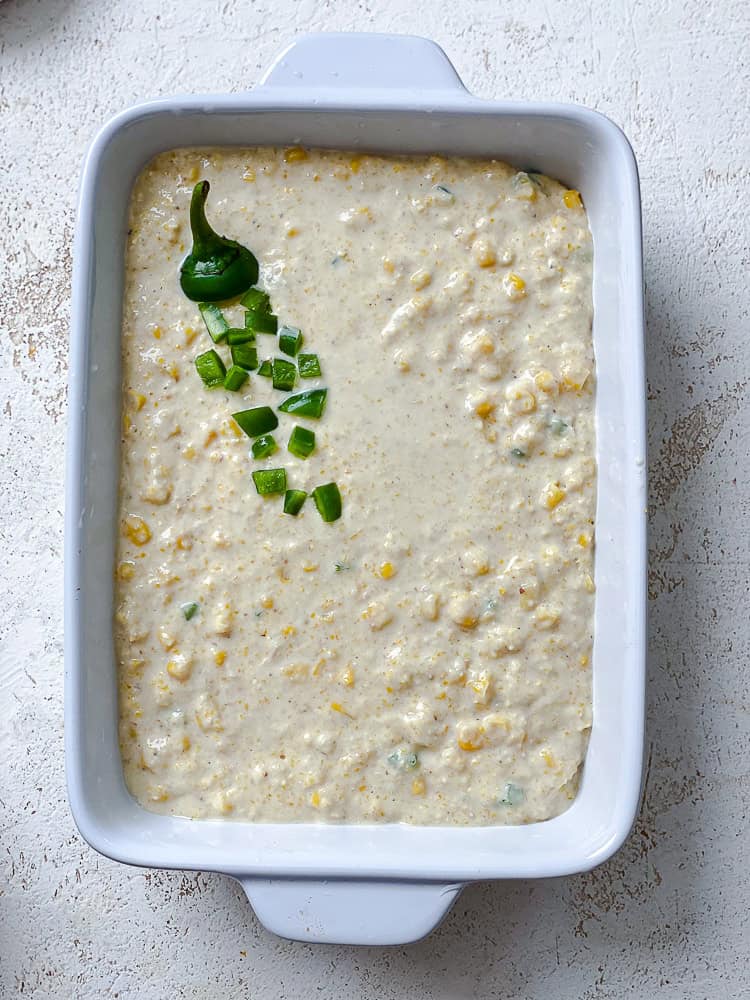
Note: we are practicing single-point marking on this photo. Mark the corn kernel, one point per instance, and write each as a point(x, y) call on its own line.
point(584, 660)
point(388, 266)
point(572, 199)
point(515, 286)
point(588, 584)
point(485, 410)
point(266, 602)
point(421, 279)
point(126, 570)
point(545, 381)
point(355, 163)
point(347, 677)
point(190, 334)
point(309, 567)
point(336, 707)
point(315, 799)
point(291, 232)
point(188, 452)
point(180, 667)
point(127, 423)
point(220, 657)
point(139, 400)
point(547, 617)
point(387, 570)
point(469, 746)
point(288, 630)
point(157, 332)
point(186, 744)
point(193, 173)
point(166, 638)
point(548, 757)
point(248, 175)
point(484, 254)
point(210, 438)
point(418, 786)
point(184, 543)
point(552, 495)
point(584, 540)
point(174, 372)
point(136, 529)
point(295, 154)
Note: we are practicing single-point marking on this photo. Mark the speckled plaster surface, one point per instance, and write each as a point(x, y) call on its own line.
point(668, 916)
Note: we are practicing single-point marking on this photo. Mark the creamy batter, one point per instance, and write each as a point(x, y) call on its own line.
point(426, 658)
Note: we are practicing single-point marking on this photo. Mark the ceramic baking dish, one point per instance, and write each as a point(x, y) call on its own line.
point(382, 884)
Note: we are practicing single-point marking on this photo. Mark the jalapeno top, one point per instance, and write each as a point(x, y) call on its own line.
point(216, 268)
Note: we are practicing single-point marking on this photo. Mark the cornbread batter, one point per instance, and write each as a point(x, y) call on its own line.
point(426, 657)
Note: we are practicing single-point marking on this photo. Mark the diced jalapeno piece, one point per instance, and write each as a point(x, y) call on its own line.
point(301, 442)
point(256, 299)
point(293, 501)
point(235, 378)
point(213, 317)
point(264, 446)
point(290, 340)
point(309, 366)
point(268, 481)
point(211, 369)
point(328, 501)
point(246, 356)
point(266, 368)
point(310, 403)
point(261, 322)
point(257, 420)
point(238, 335)
point(284, 374)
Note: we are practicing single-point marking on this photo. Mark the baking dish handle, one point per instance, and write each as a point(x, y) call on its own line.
point(363, 61)
point(345, 911)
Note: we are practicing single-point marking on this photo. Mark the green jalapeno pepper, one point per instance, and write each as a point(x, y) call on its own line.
point(216, 268)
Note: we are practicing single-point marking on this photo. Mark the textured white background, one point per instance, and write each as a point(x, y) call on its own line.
point(668, 916)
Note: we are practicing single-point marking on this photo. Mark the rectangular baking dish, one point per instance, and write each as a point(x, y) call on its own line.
point(381, 884)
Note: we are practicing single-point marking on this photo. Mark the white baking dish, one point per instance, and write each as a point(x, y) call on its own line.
point(360, 884)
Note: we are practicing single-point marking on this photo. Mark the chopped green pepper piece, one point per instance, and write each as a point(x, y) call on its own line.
point(261, 322)
point(290, 340)
point(239, 336)
point(213, 317)
point(235, 378)
point(256, 299)
point(518, 453)
point(211, 369)
point(189, 610)
point(293, 500)
point(284, 374)
point(557, 426)
point(328, 501)
point(309, 366)
point(405, 760)
point(256, 421)
point(268, 481)
point(266, 368)
point(310, 403)
point(264, 446)
point(301, 442)
point(216, 268)
point(444, 194)
point(246, 356)
point(512, 795)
